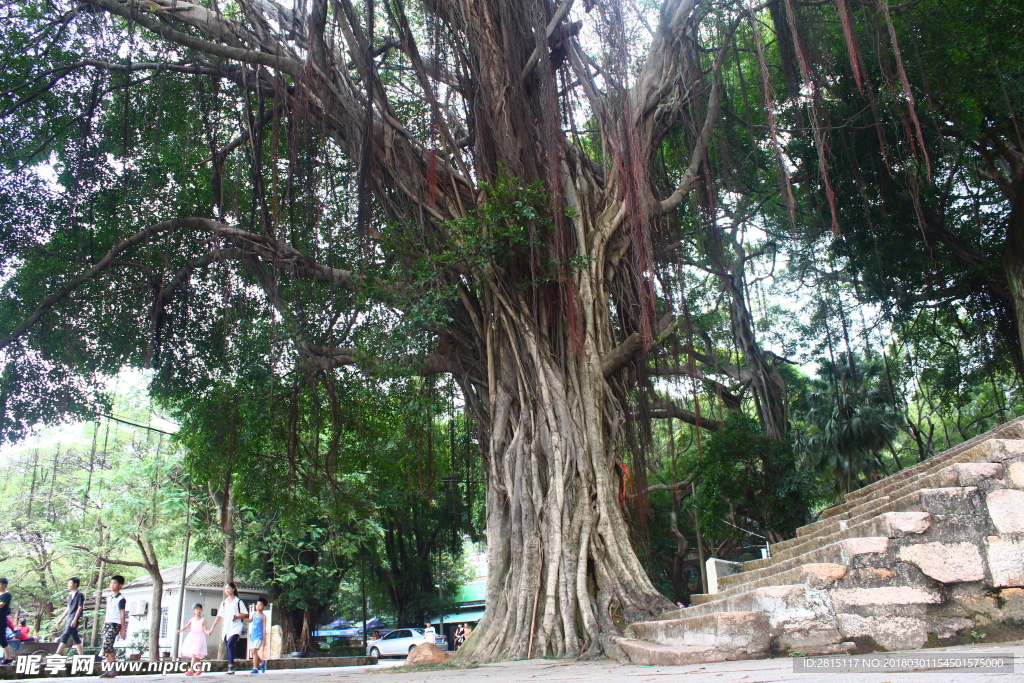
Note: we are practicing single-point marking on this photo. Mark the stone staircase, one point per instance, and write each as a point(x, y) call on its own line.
point(922, 557)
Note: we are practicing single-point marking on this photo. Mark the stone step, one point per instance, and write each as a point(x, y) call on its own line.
point(738, 633)
point(1014, 429)
point(889, 524)
point(994, 452)
point(769, 599)
point(943, 474)
point(843, 579)
point(644, 653)
point(804, 618)
point(900, 481)
point(919, 500)
point(964, 501)
point(962, 474)
point(817, 575)
point(987, 451)
point(841, 552)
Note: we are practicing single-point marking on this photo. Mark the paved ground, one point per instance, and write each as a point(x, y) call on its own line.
point(607, 671)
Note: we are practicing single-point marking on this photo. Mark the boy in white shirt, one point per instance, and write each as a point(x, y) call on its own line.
point(114, 625)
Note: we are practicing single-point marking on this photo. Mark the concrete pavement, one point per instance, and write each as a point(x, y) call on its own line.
point(608, 671)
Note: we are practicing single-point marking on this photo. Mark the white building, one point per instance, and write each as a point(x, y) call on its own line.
point(204, 583)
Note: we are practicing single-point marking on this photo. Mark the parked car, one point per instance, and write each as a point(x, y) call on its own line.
point(400, 642)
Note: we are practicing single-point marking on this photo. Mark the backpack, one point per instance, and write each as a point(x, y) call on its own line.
point(240, 606)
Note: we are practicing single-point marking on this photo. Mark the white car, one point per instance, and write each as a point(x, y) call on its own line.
point(401, 642)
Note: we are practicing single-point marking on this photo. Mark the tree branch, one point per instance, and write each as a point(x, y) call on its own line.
point(618, 357)
point(686, 183)
point(265, 246)
point(207, 22)
point(331, 357)
point(110, 560)
point(542, 43)
point(668, 409)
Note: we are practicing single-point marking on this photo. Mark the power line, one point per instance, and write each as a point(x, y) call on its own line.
point(134, 424)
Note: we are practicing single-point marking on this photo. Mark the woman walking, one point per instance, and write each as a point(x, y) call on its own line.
point(233, 612)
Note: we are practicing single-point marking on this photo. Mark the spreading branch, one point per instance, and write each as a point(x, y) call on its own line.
point(266, 247)
point(617, 358)
point(669, 409)
point(111, 560)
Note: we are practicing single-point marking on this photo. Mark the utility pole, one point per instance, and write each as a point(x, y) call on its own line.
point(184, 569)
point(440, 593)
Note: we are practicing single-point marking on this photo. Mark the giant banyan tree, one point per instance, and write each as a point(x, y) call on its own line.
point(493, 189)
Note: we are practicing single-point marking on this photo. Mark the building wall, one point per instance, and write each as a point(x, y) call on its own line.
point(172, 619)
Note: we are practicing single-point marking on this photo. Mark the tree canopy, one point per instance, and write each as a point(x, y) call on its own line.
point(593, 217)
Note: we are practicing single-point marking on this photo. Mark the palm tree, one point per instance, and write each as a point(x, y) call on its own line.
point(850, 416)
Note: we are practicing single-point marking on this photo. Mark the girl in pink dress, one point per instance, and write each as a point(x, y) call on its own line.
point(194, 645)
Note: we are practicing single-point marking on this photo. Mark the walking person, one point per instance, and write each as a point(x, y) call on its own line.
point(5, 611)
point(429, 634)
point(114, 624)
point(460, 636)
point(72, 617)
point(258, 621)
point(194, 646)
point(233, 612)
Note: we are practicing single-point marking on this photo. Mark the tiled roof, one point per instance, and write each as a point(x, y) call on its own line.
point(197, 575)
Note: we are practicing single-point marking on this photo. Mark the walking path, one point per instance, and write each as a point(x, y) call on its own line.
point(608, 671)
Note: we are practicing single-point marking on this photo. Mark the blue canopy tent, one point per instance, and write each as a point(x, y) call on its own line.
point(339, 628)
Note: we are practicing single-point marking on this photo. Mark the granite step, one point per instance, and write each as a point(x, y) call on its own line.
point(912, 515)
point(834, 582)
point(889, 524)
point(741, 633)
point(1014, 429)
point(918, 501)
point(817, 575)
point(994, 452)
point(957, 474)
point(768, 599)
point(644, 653)
point(976, 454)
point(840, 552)
point(795, 618)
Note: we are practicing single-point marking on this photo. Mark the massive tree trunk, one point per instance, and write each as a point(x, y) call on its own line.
point(296, 629)
point(562, 571)
point(561, 567)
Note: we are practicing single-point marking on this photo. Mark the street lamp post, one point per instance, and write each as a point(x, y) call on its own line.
point(362, 596)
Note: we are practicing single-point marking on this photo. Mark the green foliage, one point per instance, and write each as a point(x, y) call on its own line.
point(90, 488)
point(513, 225)
point(751, 479)
point(850, 416)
